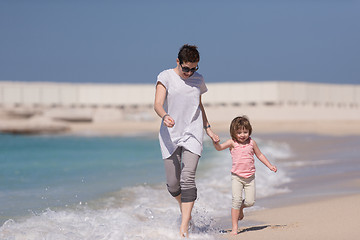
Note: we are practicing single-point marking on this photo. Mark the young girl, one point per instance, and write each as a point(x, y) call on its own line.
point(242, 149)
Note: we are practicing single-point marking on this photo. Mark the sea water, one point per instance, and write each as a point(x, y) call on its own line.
point(78, 187)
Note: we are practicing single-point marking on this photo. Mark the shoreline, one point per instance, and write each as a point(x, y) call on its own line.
point(285, 214)
point(295, 215)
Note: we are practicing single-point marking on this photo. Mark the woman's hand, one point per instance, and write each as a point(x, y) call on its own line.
point(168, 121)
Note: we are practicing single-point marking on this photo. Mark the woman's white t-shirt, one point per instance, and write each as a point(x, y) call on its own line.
point(182, 103)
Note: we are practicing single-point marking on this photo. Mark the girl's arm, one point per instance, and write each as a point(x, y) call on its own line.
point(160, 96)
point(262, 158)
point(222, 146)
point(206, 124)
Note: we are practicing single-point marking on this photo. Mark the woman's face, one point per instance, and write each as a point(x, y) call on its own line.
point(182, 69)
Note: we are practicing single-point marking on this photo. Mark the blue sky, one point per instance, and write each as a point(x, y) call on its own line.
point(132, 41)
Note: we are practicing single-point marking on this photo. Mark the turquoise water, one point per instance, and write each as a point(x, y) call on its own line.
point(38, 171)
point(77, 187)
point(90, 188)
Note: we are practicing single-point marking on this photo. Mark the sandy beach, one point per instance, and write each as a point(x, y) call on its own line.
point(336, 217)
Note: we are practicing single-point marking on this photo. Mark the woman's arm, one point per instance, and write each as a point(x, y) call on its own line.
point(160, 95)
point(262, 158)
point(206, 124)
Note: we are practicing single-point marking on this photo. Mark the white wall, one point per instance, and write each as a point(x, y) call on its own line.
point(66, 94)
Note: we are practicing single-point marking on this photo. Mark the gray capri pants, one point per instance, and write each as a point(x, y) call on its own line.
point(180, 170)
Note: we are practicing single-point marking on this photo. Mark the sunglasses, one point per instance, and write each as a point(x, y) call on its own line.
point(187, 69)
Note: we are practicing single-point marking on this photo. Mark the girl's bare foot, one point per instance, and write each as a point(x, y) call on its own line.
point(241, 214)
point(234, 232)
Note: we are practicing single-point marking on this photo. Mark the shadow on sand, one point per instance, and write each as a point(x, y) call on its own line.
point(254, 228)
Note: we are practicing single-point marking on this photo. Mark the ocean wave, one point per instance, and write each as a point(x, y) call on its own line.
point(148, 211)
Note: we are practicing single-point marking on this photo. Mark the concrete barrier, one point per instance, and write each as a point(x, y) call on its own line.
point(125, 95)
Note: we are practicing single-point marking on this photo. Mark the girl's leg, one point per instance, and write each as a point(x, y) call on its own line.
point(237, 188)
point(241, 212)
point(249, 192)
point(235, 213)
point(173, 170)
point(188, 188)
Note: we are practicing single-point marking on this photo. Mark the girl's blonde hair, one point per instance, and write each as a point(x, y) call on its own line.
point(239, 123)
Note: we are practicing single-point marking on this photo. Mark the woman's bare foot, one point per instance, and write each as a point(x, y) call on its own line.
point(184, 229)
point(185, 218)
point(234, 232)
point(184, 234)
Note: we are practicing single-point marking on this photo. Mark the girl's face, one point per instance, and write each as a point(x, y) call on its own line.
point(242, 135)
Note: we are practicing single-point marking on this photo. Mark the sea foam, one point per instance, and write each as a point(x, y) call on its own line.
point(148, 211)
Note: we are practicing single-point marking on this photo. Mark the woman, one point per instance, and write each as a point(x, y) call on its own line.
point(178, 103)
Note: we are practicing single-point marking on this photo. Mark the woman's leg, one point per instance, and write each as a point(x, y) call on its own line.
point(189, 164)
point(188, 188)
point(173, 171)
point(185, 217)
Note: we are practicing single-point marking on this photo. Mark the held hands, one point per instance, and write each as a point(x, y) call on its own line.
point(215, 138)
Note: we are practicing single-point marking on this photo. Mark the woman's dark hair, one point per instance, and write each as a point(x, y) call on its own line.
point(188, 53)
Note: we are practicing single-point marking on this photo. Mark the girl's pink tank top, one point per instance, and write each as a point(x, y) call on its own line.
point(243, 163)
